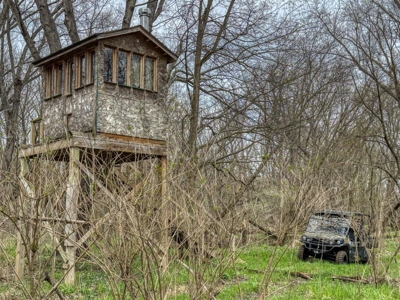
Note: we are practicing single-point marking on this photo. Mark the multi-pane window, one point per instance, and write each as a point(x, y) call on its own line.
point(135, 70)
point(122, 68)
point(149, 73)
point(54, 80)
point(129, 69)
point(62, 78)
point(108, 65)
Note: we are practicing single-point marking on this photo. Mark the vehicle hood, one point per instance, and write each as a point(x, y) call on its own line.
point(323, 235)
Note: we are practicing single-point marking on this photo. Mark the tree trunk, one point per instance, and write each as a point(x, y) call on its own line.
point(49, 26)
point(28, 39)
point(69, 21)
point(156, 8)
point(129, 8)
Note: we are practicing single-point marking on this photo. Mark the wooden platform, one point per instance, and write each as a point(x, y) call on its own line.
point(83, 152)
point(121, 148)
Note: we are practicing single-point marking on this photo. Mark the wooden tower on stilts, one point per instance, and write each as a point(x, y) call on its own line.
point(102, 111)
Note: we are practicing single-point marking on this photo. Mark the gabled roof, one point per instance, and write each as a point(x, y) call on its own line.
point(171, 57)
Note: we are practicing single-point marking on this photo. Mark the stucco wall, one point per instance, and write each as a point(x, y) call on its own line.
point(77, 110)
point(120, 109)
point(80, 109)
point(52, 117)
point(129, 111)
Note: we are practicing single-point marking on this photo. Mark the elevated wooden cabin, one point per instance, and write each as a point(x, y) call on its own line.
point(102, 108)
point(110, 84)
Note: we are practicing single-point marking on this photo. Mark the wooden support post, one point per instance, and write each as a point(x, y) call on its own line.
point(33, 133)
point(71, 213)
point(41, 132)
point(164, 213)
point(20, 257)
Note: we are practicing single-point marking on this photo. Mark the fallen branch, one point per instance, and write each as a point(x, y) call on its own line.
point(301, 275)
point(359, 279)
point(267, 231)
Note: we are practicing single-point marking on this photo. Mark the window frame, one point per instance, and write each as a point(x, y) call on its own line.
point(113, 64)
point(49, 82)
point(70, 72)
point(154, 79)
point(127, 67)
point(80, 70)
point(91, 65)
point(139, 73)
point(58, 79)
point(54, 80)
point(130, 72)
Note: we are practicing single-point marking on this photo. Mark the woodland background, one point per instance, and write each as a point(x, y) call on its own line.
point(275, 109)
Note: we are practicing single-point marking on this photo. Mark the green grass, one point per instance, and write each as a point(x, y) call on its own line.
point(253, 262)
point(246, 277)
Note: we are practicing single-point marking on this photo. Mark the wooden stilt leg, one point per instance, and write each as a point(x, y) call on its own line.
point(71, 213)
point(20, 257)
point(164, 212)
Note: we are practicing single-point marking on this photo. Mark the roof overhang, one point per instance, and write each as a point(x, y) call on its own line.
point(171, 57)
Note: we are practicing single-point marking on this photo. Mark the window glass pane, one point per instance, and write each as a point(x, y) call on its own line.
point(92, 62)
point(59, 79)
point(135, 77)
point(82, 77)
point(51, 82)
point(122, 65)
point(48, 82)
point(149, 74)
point(70, 76)
point(108, 63)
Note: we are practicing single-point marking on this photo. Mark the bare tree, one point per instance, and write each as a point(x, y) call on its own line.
point(70, 21)
point(129, 8)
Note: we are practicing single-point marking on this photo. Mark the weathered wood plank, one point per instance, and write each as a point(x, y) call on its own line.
point(20, 256)
point(133, 139)
point(119, 146)
point(135, 146)
point(165, 239)
point(71, 213)
point(30, 151)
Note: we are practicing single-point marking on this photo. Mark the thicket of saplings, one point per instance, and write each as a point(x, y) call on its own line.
point(142, 242)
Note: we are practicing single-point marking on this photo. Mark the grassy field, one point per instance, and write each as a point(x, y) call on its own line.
point(275, 271)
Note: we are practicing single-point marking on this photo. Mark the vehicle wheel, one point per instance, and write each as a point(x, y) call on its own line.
point(302, 253)
point(365, 260)
point(341, 257)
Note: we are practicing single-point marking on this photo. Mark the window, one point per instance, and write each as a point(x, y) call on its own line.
point(108, 65)
point(122, 68)
point(54, 80)
point(91, 66)
point(149, 74)
point(70, 77)
point(58, 80)
point(49, 82)
point(135, 72)
point(129, 69)
point(81, 80)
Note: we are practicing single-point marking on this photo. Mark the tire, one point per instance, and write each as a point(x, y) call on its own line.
point(302, 253)
point(342, 257)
